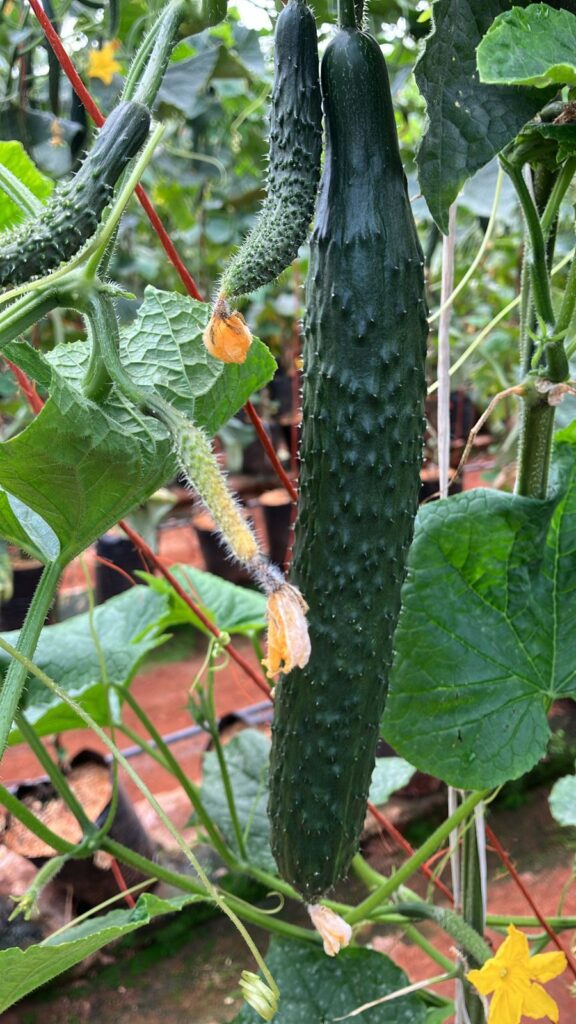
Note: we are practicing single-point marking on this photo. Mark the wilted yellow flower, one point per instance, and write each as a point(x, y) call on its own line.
point(102, 63)
point(335, 932)
point(227, 337)
point(288, 639)
point(511, 977)
point(259, 995)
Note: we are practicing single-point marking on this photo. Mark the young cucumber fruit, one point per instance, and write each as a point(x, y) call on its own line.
point(295, 145)
point(364, 386)
point(73, 212)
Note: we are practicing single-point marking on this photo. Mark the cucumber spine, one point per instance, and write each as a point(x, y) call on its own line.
point(363, 405)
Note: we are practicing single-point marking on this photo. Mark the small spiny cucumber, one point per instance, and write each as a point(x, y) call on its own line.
point(295, 145)
point(73, 212)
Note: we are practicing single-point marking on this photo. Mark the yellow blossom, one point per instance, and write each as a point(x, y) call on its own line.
point(102, 63)
point(227, 336)
point(288, 640)
point(336, 934)
point(512, 976)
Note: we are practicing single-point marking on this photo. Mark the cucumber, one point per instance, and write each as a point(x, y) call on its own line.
point(73, 212)
point(364, 387)
point(295, 145)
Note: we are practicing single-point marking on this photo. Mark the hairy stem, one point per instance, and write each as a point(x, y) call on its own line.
point(27, 640)
point(421, 855)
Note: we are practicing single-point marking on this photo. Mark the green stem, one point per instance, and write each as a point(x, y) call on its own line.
point(98, 245)
point(18, 669)
point(186, 883)
point(165, 34)
point(23, 313)
point(192, 791)
point(472, 910)
point(26, 903)
point(568, 305)
point(53, 772)
point(19, 810)
point(535, 447)
point(539, 269)
point(366, 873)
point(557, 194)
point(525, 921)
point(19, 193)
point(427, 947)
point(346, 14)
point(224, 773)
point(418, 858)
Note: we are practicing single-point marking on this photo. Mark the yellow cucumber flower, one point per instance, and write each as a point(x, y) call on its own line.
point(288, 639)
point(227, 336)
point(335, 932)
point(512, 977)
point(102, 64)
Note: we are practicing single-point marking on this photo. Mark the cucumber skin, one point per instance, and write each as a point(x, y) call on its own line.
point(295, 146)
point(364, 388)
point(73, 212)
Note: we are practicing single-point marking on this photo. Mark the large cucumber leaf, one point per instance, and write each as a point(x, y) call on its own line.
point(468, 122)
point(82, 466)
point(536, 46)
point(23, 970)
point(231, 608)
point(486, 635)
point(128, 629)
point(315, 988)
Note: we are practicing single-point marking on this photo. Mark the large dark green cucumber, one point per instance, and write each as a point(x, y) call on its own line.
point(73, 212)
point(295, 145)
point(364, 385)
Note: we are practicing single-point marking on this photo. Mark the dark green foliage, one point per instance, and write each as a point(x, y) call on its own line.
point(365, 346)
point(73, 212)
point(295, 145)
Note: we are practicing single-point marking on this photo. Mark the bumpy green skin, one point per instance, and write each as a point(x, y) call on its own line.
point(73, 212)
point(295, 146)
point(364, 353)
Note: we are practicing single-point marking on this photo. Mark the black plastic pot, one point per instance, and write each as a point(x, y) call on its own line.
point(88, 883)
point(276, 508)
point(122, 553)
point(26, 576)
point(216, 559)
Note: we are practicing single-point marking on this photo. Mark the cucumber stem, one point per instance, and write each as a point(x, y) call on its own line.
point(418, 858)
point(26, 645)
point(347, 14)
point(155, 53)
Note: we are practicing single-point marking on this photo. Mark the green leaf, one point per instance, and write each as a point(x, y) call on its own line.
point(535, 46)
point(127, 628)
point(27, 529)
point(23, 970)
point(468, 122)
point(390, 774)
point(246, 757)
point(315, 988)
point(15, 159)
point(82, 466)
point(485, 639)
point(233, 609)
point(563, 800)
